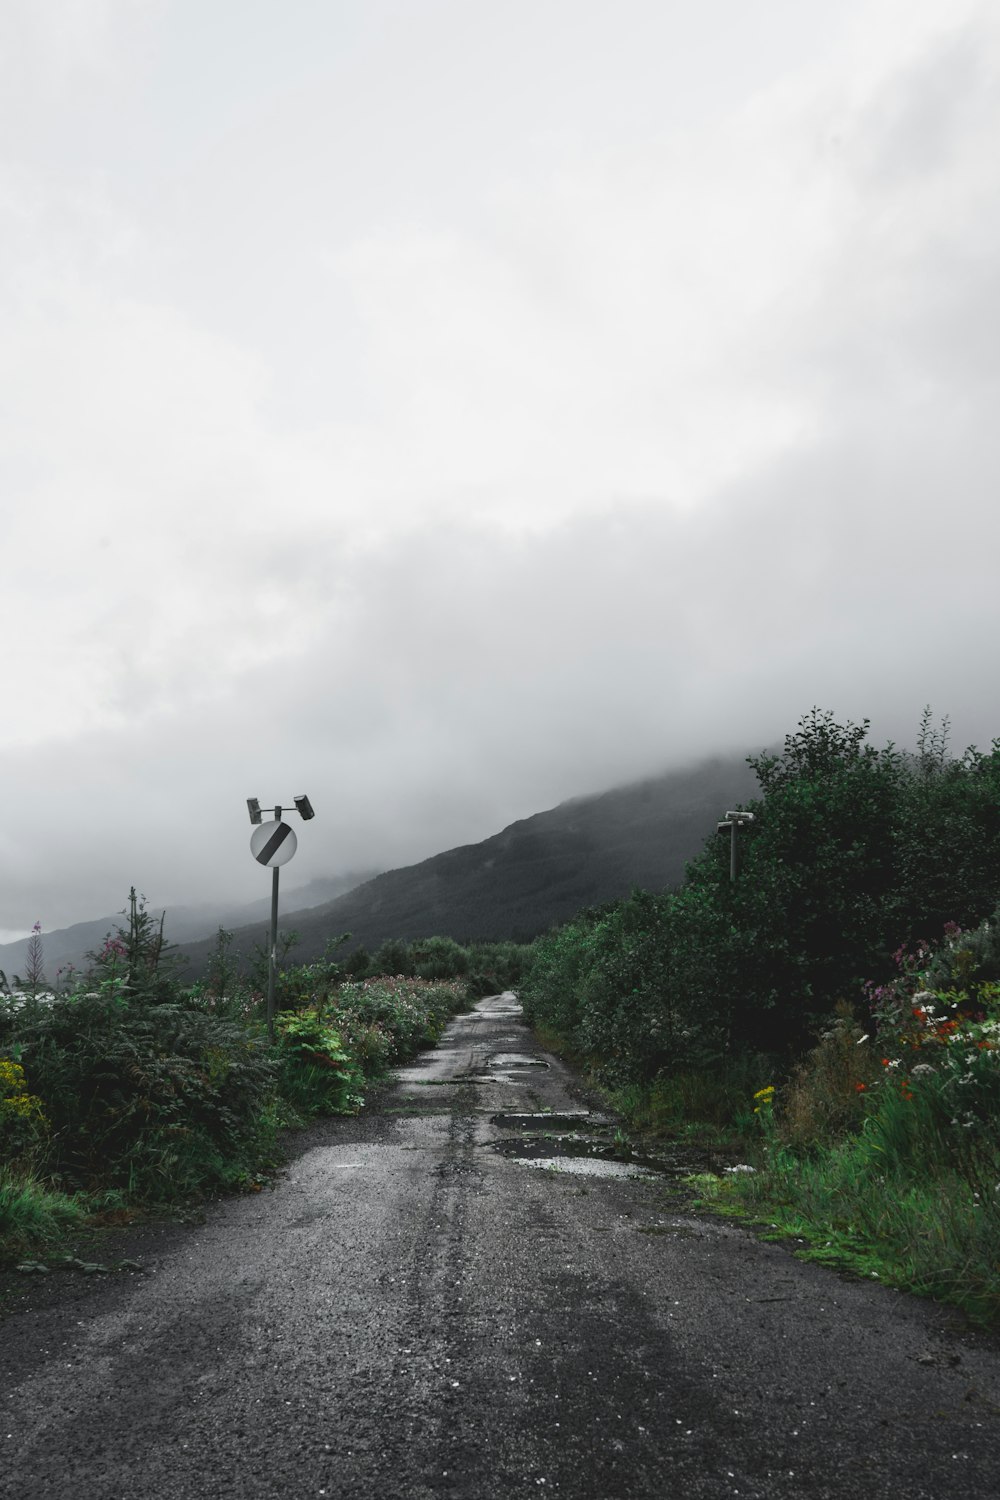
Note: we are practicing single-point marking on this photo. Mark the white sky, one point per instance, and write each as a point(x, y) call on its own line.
point(447, 407)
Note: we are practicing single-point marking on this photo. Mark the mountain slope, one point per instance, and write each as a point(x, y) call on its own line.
point(537, 872)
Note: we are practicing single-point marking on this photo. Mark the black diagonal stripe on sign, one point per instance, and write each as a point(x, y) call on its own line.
point(274, 843)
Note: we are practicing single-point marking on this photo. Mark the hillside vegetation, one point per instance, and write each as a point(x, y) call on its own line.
point(836, 1008)
point(129, 1089)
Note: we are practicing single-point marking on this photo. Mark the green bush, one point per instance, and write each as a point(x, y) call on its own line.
point(318, 1075)
point(392, 957)
point(24, 1125)
point(408, 1013)
point(439, 958)
point(159, 1099)
point(846, 854)
point(495, 967)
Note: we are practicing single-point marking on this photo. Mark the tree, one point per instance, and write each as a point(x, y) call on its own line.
point(136, 956)
point(33, 980)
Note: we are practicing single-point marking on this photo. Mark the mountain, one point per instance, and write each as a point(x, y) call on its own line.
point(68, 946)
point(537, 872)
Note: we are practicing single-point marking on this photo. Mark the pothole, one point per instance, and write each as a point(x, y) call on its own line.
point(567, 1119)
point(578, 1147)
point(588, 1140)
point(510, 1062)
point(581, 1166)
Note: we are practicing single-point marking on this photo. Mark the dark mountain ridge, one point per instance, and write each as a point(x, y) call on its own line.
point(535, 873)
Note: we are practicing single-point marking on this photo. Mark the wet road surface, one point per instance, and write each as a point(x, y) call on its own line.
point(449, 1297)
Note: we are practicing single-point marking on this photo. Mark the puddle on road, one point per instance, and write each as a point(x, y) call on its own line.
point(567, 1119)
point(510, 1062)
point(581, 1166)
point(576, 1153)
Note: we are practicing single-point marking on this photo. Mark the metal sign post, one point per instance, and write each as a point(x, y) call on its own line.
point(273, 844)
point(734, 820)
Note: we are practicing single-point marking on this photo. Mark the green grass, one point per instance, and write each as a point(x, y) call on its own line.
point(33, 1217)
point(936, 1237)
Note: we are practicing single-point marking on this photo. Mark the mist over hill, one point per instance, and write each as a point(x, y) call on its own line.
point(535, 873)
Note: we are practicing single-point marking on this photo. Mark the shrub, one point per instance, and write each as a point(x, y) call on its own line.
point(408, 1013)
point(159, 1099)
point(825, 1097)
point(318, 1076)
point(24, 1127)
point(439, 958)
point(495, 967)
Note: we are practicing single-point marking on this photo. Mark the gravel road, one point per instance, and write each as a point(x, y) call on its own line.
point(424, 1305)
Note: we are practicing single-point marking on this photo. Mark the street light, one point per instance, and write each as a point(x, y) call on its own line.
point(272, 845)
point(734, 821)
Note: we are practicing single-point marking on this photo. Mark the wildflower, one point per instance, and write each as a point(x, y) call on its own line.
point(766, 1093)
point(859, 1088)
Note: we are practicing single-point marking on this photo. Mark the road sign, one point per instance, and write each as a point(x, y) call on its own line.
point(273, 844)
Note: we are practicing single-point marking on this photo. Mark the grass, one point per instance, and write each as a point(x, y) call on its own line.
point(34, 1217)
point(934, 1239)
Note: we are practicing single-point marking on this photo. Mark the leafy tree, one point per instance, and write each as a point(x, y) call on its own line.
point(439, 958)
point(392, 957)
point(852, 849)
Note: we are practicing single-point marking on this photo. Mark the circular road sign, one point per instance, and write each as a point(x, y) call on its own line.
point(273, 844)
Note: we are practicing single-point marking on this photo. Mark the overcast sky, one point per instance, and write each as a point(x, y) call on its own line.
point(446, 407)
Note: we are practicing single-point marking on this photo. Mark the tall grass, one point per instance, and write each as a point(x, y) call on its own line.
point(32, 1216)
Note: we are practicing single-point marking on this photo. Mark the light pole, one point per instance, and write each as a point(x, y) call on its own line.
point(733, 823)
point(273, 844)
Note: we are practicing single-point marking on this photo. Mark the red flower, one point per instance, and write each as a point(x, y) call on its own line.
point(860, 1087)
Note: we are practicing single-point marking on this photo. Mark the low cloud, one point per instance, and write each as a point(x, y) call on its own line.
point(616, 454)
